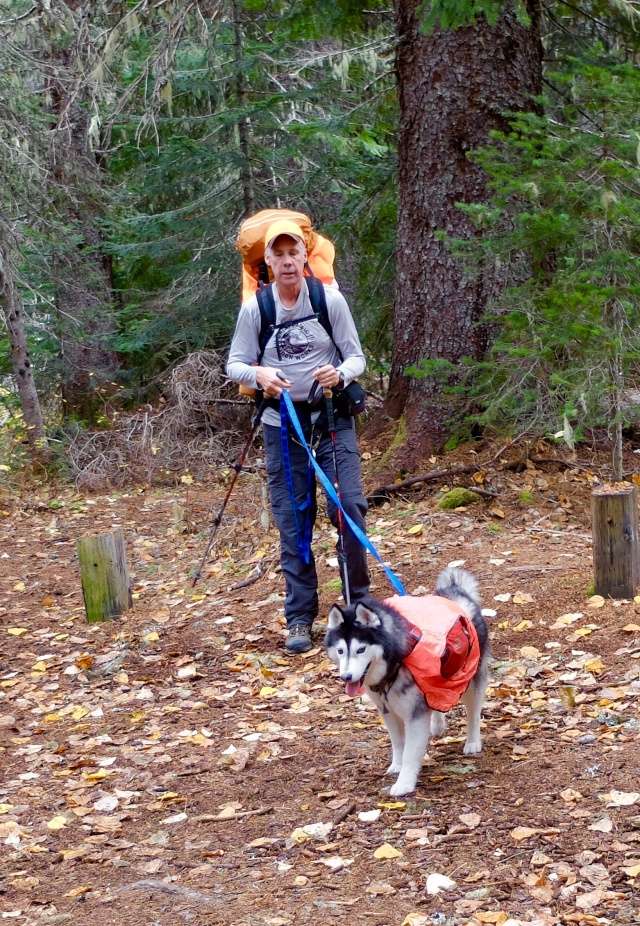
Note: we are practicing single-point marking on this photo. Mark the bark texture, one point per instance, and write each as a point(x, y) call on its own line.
point(454, 87)
point(13, 312)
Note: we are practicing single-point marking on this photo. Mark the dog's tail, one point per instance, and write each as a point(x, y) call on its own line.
point(458, 585)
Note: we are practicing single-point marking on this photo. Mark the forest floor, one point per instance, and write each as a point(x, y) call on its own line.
point(175, 766)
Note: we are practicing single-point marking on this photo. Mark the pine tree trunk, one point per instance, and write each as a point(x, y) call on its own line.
point(13, 312)
point(454, 87)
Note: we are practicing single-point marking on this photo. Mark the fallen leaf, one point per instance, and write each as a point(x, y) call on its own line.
point(565, 620)
point(522, 598)
point(492, 916)
point(632, 870)
point(336, 862)
point(470, 819)
point(605, 825)
point(436, 883)
point(416, 529)
point(379, 888)
point(620, 798)
point(522, 832)
point(387, 851)
point(369, 816)
point(57, 823)
point(596, 601)
point(523, 625)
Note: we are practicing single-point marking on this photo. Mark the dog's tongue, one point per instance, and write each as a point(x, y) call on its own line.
point(354, 689)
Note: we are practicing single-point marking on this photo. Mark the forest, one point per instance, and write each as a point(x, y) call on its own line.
point(475, 165)
point(165, 755)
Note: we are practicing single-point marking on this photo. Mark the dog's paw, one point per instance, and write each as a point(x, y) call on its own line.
point(401, 787)
point(472, 747)
point(393, 769)
point(438, 723)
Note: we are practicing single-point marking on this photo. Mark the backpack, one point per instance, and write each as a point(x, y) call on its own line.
point(319, 270)
point(250, 242)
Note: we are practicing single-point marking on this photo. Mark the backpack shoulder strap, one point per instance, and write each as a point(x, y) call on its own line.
point(267, 306)
point(318, 299)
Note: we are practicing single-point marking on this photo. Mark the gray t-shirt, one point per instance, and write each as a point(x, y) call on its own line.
point(297, 349)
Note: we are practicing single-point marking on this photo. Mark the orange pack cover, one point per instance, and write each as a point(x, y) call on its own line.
point(250, 242)
point(440, 625)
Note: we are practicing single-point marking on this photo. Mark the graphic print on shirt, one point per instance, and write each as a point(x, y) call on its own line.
point(294, 341)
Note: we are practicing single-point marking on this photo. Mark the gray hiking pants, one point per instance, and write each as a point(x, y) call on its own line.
point(301, 580)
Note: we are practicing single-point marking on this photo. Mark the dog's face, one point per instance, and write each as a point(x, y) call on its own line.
point(354, 646)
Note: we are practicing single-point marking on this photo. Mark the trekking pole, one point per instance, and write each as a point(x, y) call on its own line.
point(328, 398)
point(237, 466)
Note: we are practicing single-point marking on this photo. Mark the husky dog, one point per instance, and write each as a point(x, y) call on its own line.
point(369, 641)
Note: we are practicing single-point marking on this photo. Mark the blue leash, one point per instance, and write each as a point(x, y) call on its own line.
point(287, 410)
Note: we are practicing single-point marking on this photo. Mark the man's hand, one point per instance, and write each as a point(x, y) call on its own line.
point(327, 376)
point(271, 384)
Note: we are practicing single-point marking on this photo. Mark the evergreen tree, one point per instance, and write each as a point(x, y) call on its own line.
point(455, 83)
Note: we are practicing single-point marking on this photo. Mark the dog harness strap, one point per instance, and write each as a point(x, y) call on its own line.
point(327, 485)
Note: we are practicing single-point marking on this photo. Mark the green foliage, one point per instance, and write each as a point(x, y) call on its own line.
point(454, 14)
point(457, 497)
point(563, 220)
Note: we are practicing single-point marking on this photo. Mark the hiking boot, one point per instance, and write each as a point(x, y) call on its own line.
point(299, 639)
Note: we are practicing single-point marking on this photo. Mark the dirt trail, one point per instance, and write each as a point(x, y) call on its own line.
point(163, 768)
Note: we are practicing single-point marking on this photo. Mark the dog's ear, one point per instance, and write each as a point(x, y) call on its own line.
point(335, 618)
point(366, 617)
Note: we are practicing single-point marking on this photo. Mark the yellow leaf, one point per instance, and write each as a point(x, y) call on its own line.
point(267, 691)
point(387, 851)
point(19, 587)
point(57, 823)
point(151, 637)
point(628, 628)
point(79, 891)
point(523, 625)
point(596, 601)
point(137, 716)
point(416, 529)
point(492, 916)
point(596, 666)
point(581, 632)
point(392, 805)
point(169, 796)
point(16, 631)
point(79, 712)
point(633, 871)
point(522, 598)
point(187, 479)
point(417, 919)
point(52, 718)
point(39, 666)
point(5, 808)
point(48, 601)
point(101, 774)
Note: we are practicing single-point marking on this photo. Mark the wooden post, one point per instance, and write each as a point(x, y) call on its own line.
point(104, 575)
point(616, 552)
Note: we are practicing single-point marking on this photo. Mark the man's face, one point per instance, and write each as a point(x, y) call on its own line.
point(287, 258)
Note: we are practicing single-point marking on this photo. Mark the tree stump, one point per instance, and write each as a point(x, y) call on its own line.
point(104, 575)
point(616, 553)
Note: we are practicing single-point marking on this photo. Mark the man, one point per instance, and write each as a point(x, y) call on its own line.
point(302, 352)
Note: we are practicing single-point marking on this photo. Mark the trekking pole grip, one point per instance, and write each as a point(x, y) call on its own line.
point(328, 398)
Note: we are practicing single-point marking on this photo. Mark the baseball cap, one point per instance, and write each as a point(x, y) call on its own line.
point(283, 227)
